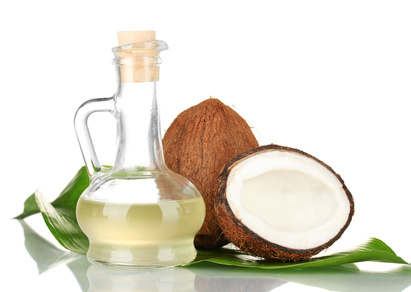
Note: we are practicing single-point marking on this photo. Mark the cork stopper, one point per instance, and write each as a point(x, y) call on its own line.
point(138, 64)
point(135, 36)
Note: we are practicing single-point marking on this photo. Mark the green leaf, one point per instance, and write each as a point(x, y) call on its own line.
point(72, 192)
point(66, 201)
point(60, 217)
point(63, 226)
point(30, 208)
point(373, 250)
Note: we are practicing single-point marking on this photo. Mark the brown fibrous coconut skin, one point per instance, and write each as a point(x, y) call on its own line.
point(197, 145)
point(248, 241)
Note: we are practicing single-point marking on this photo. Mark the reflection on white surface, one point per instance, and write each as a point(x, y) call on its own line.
point(341, 278)
point(209, 277)
point(217, 278)
point(107, 279)
point(45, 254)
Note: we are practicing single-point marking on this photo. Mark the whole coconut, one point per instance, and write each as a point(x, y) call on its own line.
point(197, 145)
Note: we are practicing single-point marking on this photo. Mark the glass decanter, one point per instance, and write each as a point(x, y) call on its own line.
point(138, 212)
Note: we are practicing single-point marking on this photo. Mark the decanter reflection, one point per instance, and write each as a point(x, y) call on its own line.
point(110, 279)
point(137, 213)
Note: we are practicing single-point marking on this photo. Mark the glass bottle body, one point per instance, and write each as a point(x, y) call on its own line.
point(148, 232)
point(138, 212)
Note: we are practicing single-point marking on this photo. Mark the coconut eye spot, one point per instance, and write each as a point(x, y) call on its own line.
point(289, 200)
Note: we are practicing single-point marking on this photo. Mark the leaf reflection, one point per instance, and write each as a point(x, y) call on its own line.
point(339, 278)
point(47, 256)
point(207, 276)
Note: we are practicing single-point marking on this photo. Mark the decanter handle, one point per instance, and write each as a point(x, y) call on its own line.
point(83, 134)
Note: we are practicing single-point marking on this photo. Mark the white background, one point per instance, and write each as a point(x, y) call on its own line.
point(332, 78)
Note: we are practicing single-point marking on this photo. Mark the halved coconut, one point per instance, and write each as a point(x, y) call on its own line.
point(281, 203)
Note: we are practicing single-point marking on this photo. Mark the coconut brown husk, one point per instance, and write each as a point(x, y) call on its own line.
point(250, 242)
point(198, 143)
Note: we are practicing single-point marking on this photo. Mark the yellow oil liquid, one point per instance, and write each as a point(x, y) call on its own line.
point(147, 235)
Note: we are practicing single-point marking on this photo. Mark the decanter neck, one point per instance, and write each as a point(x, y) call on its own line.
point(139, 145)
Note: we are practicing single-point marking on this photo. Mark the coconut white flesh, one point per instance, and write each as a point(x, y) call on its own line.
point(288, 199)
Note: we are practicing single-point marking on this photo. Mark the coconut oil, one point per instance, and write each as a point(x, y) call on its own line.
point(154, 234)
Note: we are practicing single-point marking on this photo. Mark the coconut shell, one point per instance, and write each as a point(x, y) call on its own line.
point(250, 242)
point(198, 143)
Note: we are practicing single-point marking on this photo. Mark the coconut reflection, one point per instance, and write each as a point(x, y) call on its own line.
point(243, 280)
